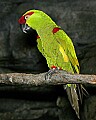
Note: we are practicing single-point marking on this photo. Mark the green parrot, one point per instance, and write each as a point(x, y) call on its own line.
point(56, 47)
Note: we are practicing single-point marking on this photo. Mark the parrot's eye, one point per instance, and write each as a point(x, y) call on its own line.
point(27, 16)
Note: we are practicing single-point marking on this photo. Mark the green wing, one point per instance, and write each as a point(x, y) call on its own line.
point(67, 45)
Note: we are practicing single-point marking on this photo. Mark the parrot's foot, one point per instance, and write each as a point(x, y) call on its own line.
point(53, 70)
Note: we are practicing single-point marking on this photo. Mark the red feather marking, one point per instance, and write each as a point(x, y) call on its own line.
point(22, 19)
point(38, 36)
point(30, 13)
point(53, 67)
point(56, 29)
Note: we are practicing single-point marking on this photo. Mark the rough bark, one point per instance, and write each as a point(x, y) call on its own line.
point(58, 78)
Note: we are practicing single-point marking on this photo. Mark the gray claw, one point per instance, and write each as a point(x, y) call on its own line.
point(48, 75)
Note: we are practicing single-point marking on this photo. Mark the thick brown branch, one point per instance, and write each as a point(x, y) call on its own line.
point(58, 78)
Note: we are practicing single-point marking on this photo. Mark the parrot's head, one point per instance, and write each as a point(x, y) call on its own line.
point(32, 19)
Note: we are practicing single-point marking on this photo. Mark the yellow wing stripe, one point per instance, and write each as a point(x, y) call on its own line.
point(65, 57)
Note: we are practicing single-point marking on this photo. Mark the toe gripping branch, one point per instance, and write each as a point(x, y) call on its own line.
point(53, 70)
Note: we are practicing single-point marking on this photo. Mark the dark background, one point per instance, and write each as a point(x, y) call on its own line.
point(18, 53)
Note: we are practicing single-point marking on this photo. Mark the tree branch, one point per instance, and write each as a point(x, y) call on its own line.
point(58, 78)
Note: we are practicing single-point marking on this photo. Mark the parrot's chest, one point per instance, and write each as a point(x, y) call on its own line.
point(50, 48)
point(51, 53)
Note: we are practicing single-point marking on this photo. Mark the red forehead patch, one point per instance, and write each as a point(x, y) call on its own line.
point(29, 13)
point(22, 19)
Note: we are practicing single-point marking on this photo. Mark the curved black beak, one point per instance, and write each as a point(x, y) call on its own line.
point(25, 28)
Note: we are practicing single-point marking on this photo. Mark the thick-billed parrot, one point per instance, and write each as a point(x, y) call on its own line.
point(56, 47)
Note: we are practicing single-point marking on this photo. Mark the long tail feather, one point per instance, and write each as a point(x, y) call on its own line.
point(73, 98)
point(80, 92)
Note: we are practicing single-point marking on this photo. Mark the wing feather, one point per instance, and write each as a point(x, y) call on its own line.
point(66, 43)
